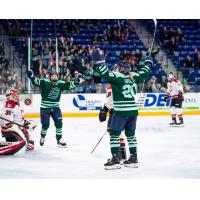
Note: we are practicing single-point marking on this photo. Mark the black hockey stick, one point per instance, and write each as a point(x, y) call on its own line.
point(99, 141)
point(151, 48)
point(23, 126)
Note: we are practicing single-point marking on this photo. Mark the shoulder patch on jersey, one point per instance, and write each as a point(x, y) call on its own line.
point(46, 80)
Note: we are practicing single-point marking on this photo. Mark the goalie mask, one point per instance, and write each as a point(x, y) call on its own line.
point(124, 67)
point(13, 95)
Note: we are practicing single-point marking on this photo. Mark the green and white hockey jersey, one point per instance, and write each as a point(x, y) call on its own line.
point(124, 89)
point(50, 92)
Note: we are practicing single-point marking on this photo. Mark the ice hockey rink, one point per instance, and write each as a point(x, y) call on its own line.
point(163, 152)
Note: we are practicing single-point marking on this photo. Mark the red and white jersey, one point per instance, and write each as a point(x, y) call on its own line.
point(12, 112)
point(109, 97)
point(173, 88)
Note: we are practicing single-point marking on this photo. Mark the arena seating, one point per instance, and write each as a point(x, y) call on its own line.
point(191, 31)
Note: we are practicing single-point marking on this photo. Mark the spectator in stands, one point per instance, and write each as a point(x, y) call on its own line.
point(35, 59)
point(46, 55)
point(197, 63)
point(99, 88)
point(88, 73)
point(124, 55)
point(19, 87)
point(171, 33)
point(131, 28)
point(179, 36)
point(123, 36)
point(173, 46)
point(195, 55)
point(188, 63)
point(79, 81)
point(2, 53)
point(163, 81)
point(164, 34)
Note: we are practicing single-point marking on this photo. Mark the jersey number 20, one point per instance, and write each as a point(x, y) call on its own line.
point(129, 91)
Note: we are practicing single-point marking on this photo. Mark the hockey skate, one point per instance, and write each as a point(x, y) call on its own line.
point(30, 146)
point(173, 123)
point(61, 144)
point(180, 123)
point(42, 139)
point(132, 161)
point(113, 163)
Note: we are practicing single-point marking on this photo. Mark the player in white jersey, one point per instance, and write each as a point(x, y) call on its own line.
point(108, 107)
point(175, 91)
point(16, 137)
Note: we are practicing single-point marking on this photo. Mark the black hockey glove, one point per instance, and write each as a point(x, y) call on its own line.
point(98, 57)
point(166, 97)
point(26, 124)
point(103, 114)
point(180, 96)
point(29, 74)
point(149, 62)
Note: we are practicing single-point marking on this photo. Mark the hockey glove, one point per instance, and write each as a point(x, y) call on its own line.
point(29, 74)
point(149, 62)
point(26, 124)
point(166, 97)
point(103, 114)
point(98, 57)
point(180, 96)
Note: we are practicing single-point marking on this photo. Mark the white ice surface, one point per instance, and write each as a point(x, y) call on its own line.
point(163, 152)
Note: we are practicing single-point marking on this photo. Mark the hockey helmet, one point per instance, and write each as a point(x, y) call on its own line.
point(13, 95)
point(124, 67)
point(171, 76)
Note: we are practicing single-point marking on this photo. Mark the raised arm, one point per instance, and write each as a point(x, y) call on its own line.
point(34, 80)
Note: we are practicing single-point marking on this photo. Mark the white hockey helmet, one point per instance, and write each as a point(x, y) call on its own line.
point(12, 94)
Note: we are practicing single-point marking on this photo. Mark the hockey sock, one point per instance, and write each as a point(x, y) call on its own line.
point(132, 142)
point(44, 130)
point(180, 114)
point(173, 117)
point(122, 143)
point(58, 126)
point(114, 142)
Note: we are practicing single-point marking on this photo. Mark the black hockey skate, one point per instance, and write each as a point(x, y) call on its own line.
point(180, 123)
point(42, 139)
point(113, 163)
point(132, 161)
point(122, 154)
point(61, 144)
point(173, 123)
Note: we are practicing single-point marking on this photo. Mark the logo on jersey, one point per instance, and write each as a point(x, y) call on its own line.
point(85, 104)
point(54, 94)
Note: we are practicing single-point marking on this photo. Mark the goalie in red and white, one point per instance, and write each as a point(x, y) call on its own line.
point(175, 91)
point(16, 137)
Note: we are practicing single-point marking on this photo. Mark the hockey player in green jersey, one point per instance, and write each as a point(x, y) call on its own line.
point(51, 90)
point(124, 87)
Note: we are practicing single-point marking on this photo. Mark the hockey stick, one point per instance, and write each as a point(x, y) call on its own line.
point(151, 48)
point(13, 122)
point(99, 141)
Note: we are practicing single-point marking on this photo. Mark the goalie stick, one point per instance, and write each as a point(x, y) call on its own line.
point(23, 126)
